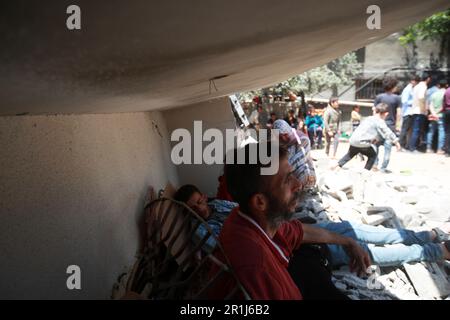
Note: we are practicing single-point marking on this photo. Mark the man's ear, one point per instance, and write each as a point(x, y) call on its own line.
point(258, 203)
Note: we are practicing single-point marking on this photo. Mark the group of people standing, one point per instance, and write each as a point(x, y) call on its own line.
point(425, 105)
point(327, 124)
point(425, 112)
point(317, 123)
point(410, 121)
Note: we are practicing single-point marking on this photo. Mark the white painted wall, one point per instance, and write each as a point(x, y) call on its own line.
point(214, 114)
point(71, 192)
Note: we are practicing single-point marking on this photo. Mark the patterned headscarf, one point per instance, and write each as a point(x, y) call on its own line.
point(299, 148)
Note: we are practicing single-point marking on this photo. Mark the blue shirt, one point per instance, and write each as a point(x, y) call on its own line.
point(220, 210)
point(314, 122)
point(407, 99)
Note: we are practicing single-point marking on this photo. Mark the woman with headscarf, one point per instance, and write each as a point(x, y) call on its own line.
point(299, 148)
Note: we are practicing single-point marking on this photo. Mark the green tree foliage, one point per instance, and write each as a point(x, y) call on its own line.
point(431, 28)
point(436, 27)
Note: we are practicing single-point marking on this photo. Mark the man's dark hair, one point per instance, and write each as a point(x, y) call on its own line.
point(244, 179)
point(415, 77)
point(333, 99)
point(425, 76)
point(185, 192)
point(389, 83)
point(442, 83)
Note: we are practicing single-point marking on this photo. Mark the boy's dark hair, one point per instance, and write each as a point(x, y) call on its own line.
point(425, 76)
point(333, 99)
point(415, 77)
point(381, 108)
point(355, 107)
point(245, 180)
point(185, 192)
point(442, 83)
point(389, 83)
point(273, 114)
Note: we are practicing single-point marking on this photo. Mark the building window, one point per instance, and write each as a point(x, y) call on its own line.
point(366, 90)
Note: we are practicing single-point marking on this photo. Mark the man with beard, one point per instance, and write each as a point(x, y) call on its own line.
point(260, 239)
point(431, 245)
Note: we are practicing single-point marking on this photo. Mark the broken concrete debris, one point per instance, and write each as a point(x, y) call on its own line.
point(396, 202)
point(376, 215)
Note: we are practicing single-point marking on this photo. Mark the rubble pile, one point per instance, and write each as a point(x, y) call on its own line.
point(392, 201)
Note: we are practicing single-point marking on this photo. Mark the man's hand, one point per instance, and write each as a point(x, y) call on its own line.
point(359, 258)
point(398, 146)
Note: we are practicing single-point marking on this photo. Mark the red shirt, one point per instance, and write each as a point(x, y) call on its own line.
point(446, 102)
point(260, 263)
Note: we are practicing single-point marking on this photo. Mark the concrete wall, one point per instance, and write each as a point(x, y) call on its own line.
point(214, 114)
point(349, 95)
point(71, 192)
point(137, 55)
point(388, 53)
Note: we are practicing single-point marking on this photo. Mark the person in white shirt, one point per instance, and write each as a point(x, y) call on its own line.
point(419, 113)
point(254, 117)
point(407, 98)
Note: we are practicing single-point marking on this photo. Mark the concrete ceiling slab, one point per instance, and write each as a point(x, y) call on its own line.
point(147, 55)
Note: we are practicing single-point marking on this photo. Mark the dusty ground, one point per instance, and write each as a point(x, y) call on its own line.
point(427, 174)
point(418, 191)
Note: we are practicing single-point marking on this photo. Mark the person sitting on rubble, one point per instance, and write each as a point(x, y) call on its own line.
point(259, 238)
point(364, 139)
point(432, 245)
point(417, 246)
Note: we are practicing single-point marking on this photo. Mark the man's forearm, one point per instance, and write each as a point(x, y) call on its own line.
point(432, 111)
point(312, 234)
point(398, 120)
point(359, 259)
